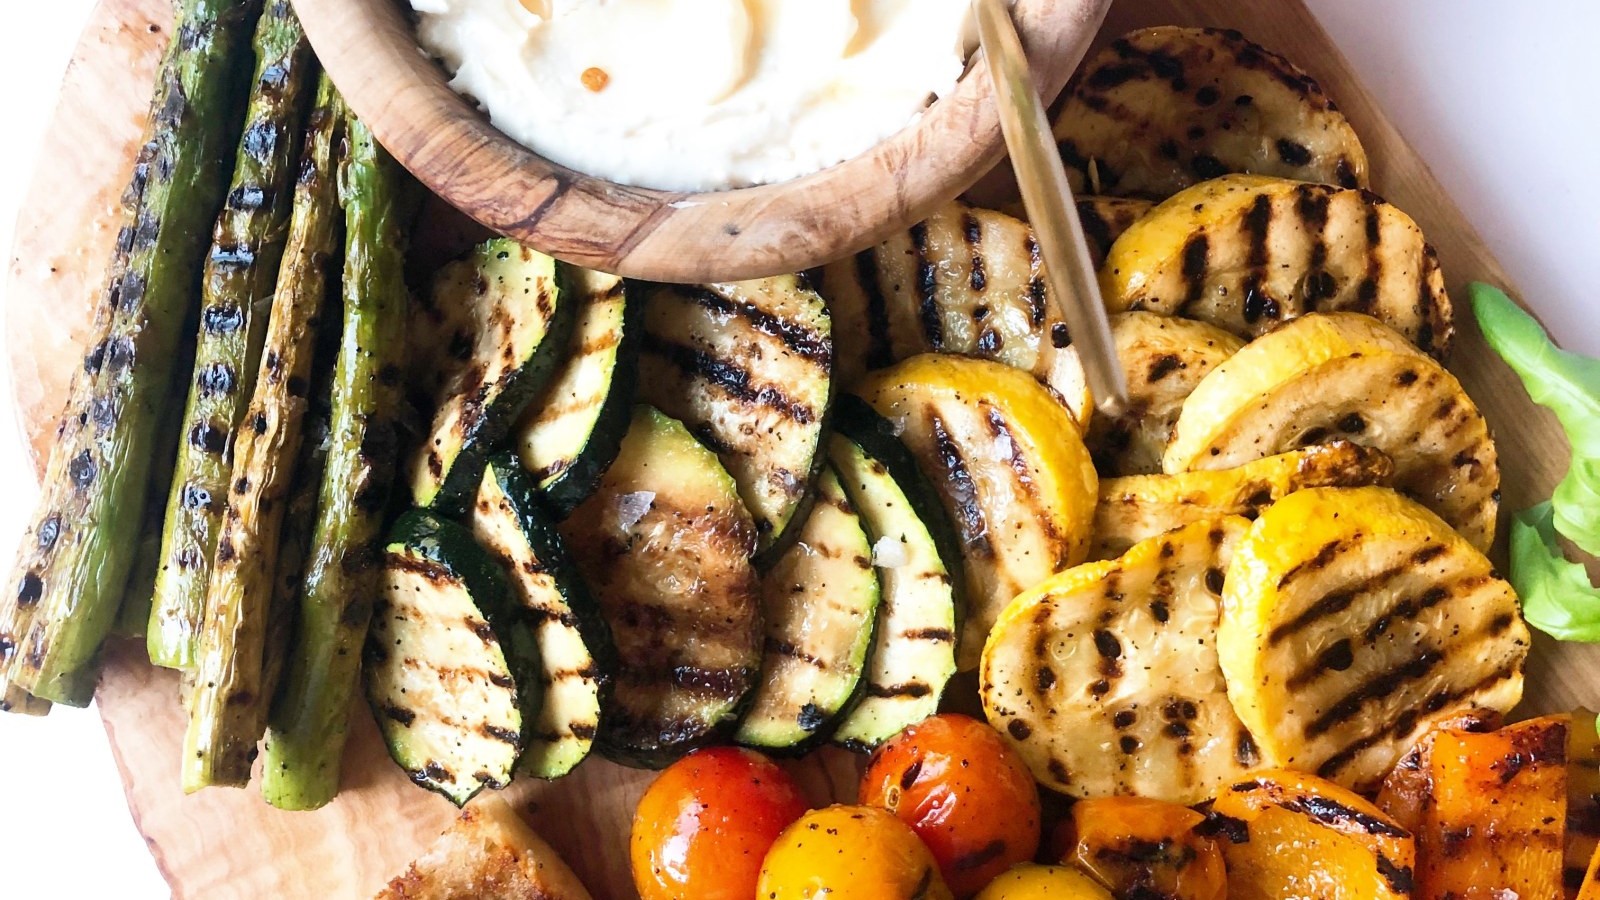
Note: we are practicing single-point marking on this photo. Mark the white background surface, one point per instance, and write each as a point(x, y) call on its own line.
point(1503, 99)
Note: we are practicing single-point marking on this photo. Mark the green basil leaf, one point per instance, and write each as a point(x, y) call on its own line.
point(1565, 383)
point(1557, 596)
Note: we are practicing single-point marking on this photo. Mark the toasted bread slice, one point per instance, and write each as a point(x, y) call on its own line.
point(488, 854)
point(1164, 108)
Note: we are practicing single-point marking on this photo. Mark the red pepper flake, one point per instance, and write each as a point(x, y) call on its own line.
point(595, 79)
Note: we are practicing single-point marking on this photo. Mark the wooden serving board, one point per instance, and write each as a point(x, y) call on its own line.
point(227, 843)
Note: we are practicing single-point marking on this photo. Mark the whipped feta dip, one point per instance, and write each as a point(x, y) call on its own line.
point(697, 95)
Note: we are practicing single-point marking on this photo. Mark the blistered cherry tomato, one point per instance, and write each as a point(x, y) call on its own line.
point(964, 791)
point(703, 827)
point(1031, 882)
point(850, 853)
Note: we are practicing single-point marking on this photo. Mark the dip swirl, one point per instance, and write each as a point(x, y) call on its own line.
point(699, 95)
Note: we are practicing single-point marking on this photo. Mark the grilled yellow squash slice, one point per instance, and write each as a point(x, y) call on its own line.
point(1246, 253)
point(966, 280)
point(1163, 108)
point(1346, 375)
point(1106, 677)
point(1163, 359)
point(1104, 220)
point(1353, 621)
point(1134, 508)
point(1009, 467)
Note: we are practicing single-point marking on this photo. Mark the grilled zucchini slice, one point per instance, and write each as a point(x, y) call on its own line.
point(1134, 508)
point(966, 281)
point(665, 544)
point(1163, 358)
point(1246, 253)
point(519, 327)
point(913, 652)
point(1104, 220)
point(1008, 465)
point(1163, 108)
point(570, 433)
point(1346, 375)
point(1354, 620)
point(1106, 678)
point(820, 603)
point(451, 664)
point(575, 655)
point(748, 368)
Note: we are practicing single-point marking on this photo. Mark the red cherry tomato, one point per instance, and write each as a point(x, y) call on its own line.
point(703, 827)
point(957, 783)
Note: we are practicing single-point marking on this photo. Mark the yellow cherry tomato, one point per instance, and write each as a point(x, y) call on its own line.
point(850, 853)
point(1031, 882)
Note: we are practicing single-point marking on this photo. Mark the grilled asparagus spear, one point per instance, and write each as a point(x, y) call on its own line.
point(228, 712)
point(74, 564)
point(235, 293)
point(308, 726)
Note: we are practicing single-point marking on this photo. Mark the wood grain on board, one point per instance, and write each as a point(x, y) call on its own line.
point(226, 843)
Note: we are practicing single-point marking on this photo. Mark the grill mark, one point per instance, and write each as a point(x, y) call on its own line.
point(1332, 813)
point(1377, 687)
point(972, 230)
point(1435, 703)
point(728, 376)
point(933, 635)
point(776, 647)
point(924, 281)
point(1337, 658)
point(801, 341)
point(1036, 289)
point(1367, 292)
point(878, 352)
point(963, 490)
point(1196, 252)
point(907, 689)
point(1408, 609)
point(1001, 430)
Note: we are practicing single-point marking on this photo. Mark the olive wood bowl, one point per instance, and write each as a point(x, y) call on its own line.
point(370, 50)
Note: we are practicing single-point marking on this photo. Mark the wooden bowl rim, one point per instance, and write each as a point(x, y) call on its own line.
point(370, 51)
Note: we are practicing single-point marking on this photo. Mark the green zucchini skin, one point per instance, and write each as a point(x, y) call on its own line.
point(914, 650)
point(747, 366)
point(665, 545)
point(77, 553)
point(310, 721)
point(571, 433)
point(521, 325)
point(577, 659)
point(451, 650)
point(820, 605)
point(240, 652)
point(235, 292)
